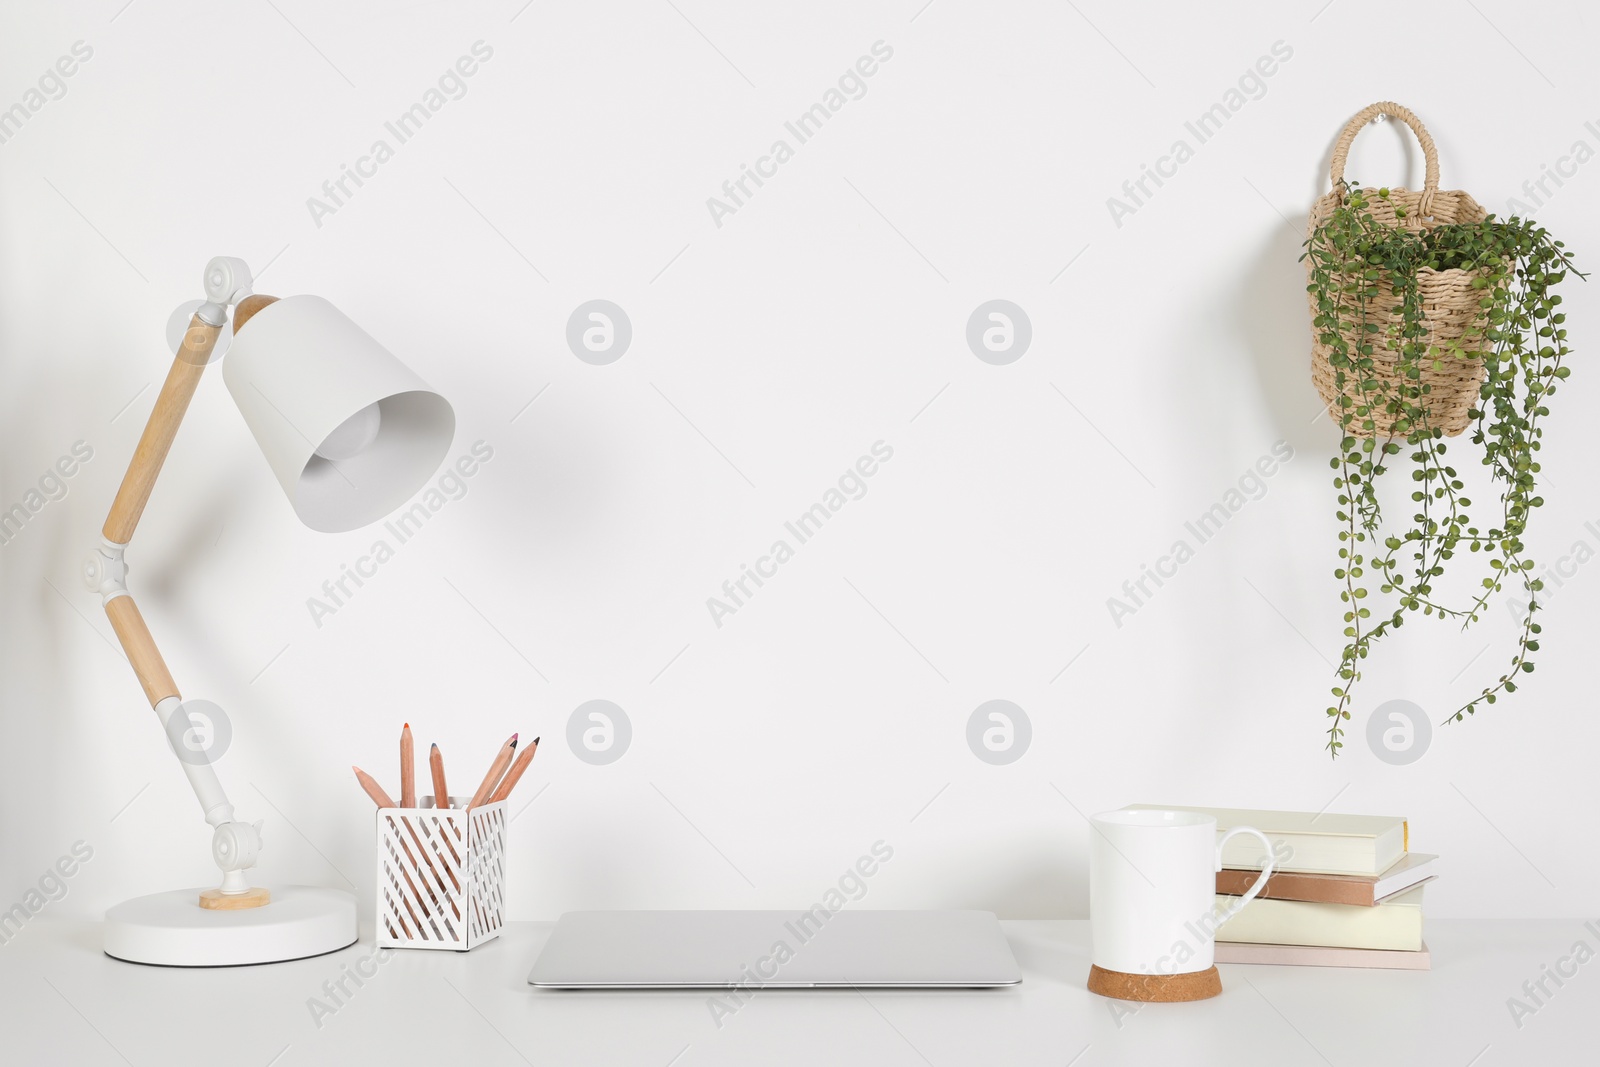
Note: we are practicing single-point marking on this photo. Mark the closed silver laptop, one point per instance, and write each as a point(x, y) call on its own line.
point(814, 949)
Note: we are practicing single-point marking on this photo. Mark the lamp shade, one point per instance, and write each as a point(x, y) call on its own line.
point(349, 430)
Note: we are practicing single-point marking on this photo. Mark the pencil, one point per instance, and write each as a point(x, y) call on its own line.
point(374, 790)
point(408, 769)
point(509, 782)
point(441, 801)
point(496, 770)
point(441, 792)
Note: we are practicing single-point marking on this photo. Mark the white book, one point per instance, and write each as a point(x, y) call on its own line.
point(1395, 923)
point(1309, 842)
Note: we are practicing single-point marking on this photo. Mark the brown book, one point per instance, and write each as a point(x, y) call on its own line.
point(1365, 890)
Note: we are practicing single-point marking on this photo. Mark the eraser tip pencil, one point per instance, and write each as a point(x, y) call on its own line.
point(497, 771)
point(509, 782)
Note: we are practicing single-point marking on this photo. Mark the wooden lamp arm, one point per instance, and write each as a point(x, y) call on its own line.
point(234, 844)
point(154, 443)
point(134, 493)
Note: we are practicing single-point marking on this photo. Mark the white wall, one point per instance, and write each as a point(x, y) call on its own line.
point(769, 353)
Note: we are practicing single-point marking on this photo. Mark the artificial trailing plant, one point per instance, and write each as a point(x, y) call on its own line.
point(1379, 347)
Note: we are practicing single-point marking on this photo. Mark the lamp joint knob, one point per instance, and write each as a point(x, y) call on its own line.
point(106, 572)
point(235, 845)
point(227, 280)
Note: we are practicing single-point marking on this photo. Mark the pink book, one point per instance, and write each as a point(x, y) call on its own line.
point(1318, 956)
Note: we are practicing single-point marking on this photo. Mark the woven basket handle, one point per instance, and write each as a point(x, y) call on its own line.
point(1430, 155)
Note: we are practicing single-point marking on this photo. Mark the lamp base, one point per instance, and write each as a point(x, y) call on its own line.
point(173, 930)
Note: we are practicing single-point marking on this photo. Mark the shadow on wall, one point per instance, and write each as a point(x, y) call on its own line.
point(1271, 317)
point(172, 569)
point(1046, 881)
point(1067, 897)
point(1040, 888)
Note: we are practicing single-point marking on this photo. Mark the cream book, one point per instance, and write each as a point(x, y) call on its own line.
point(1394, 924)
point(1309, 842)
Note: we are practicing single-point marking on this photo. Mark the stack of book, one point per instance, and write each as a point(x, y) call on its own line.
point(1346, 891)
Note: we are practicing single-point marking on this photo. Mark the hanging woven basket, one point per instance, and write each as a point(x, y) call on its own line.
point(1450, 304)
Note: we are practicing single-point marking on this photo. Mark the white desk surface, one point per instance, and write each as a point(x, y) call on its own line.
point(63, 1002)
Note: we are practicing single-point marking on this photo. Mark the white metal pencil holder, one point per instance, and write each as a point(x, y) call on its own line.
point(441, 875)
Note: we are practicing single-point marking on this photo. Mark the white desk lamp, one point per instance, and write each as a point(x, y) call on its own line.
point(351, 434)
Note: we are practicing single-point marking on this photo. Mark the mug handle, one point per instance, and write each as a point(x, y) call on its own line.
point(1260, 883)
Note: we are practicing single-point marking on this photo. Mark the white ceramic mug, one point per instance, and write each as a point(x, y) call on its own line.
point(1152, 889)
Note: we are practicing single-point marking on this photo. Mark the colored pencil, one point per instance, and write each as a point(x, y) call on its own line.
point(496, 770)
point(374, 790)
point(441, 792)
point(509, 782)
point(408, 769)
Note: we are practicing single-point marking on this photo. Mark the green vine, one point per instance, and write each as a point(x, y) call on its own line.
point(1521, 341)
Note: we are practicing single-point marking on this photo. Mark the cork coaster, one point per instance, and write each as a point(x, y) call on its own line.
point(1155, 988)
point(217, 900)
